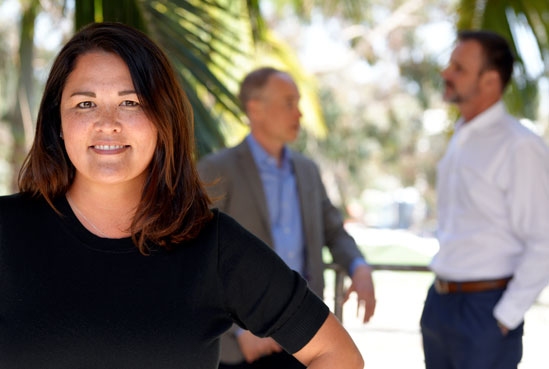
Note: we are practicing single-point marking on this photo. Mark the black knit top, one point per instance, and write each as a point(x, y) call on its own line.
point(70, 299)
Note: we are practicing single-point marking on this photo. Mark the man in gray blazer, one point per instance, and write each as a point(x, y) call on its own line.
point(278, 195)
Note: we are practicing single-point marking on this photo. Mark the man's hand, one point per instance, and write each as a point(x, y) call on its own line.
point(364, 288)
point(254, 347)
point(504, 330)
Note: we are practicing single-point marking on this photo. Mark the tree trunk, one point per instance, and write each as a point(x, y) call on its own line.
point(20, 115)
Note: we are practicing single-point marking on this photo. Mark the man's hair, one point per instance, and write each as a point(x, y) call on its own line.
point(497, 53)
point(253, 83)
point(174, 206)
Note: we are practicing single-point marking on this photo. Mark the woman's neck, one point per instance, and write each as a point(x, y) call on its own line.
point(105, 210)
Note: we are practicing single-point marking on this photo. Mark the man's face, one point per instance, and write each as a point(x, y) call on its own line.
point(277, 114)
point(463, 74)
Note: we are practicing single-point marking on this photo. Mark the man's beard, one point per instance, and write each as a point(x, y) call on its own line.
point(450, 93)
point(452, 96)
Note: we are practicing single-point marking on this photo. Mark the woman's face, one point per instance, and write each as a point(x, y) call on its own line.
point(107, 135)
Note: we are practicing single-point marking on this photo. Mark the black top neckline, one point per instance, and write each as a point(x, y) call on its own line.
point(90, 240)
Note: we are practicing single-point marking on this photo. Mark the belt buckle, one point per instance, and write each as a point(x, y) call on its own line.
point(442, 287)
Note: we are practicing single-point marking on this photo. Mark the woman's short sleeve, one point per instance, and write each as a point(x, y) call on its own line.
point(261, 293)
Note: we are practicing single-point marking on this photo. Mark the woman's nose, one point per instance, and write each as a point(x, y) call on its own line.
point(108, 121)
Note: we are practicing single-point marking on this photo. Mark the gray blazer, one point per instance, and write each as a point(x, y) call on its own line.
point(238, 191)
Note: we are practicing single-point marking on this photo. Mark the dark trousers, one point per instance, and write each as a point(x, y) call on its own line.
point(460, 332)
point(281, 360)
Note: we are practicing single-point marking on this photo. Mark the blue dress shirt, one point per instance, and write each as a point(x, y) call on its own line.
point(280, 187)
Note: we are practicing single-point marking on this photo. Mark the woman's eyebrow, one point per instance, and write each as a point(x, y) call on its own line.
point(126, 92)
point(92, 94)
point(85, 93)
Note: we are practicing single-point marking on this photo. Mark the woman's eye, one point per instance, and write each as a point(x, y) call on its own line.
point(129, 103)
point(86, 105)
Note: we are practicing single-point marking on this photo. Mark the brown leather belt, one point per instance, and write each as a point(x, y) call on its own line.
point(444, 287)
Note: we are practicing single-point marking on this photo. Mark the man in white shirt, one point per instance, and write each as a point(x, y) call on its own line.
point(493, 208)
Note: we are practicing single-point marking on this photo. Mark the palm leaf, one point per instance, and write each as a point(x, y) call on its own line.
point(257, 23)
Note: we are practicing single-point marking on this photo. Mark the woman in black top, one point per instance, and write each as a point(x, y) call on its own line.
point(109, 255)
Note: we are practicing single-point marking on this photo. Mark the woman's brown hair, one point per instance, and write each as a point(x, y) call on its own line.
point(174, 206)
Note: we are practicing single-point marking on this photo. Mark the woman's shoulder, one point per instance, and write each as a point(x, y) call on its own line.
point(223, 231)
point(16, 200)
point(232, 240)
point(20, 204)
point(224, 224)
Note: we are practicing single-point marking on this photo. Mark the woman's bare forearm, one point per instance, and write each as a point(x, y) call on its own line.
point(331, 347)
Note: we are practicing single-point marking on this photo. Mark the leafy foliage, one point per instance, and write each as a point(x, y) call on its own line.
point(353, 10)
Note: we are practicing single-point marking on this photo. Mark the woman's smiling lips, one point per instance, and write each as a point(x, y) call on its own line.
point(109, 149)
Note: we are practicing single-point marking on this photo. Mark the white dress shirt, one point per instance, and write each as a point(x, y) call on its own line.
point(493, 209)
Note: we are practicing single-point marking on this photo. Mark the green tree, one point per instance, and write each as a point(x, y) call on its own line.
point(19, 114)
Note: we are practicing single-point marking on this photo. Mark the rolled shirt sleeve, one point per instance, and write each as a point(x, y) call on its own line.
point(527, 199)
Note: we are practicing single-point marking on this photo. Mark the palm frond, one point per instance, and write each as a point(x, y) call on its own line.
point(201, 44)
